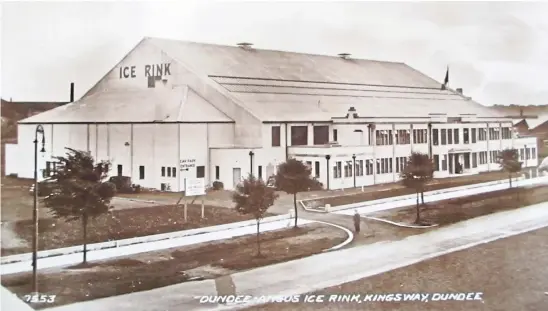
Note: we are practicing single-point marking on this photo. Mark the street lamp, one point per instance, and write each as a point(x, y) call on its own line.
point(354, 168)
point(251, 154)
point(39, 130)
point(327, 157)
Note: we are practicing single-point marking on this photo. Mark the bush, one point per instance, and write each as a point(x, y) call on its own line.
point(217, 185)
point(107, 189)
point(136, 188)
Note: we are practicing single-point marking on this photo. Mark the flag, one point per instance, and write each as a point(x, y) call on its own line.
point(446, 80)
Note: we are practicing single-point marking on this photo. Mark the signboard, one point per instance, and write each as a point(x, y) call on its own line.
point(195, 186)
point(185, 164)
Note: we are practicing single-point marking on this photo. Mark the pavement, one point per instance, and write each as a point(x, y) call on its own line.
point(510, 273)
point(331, 269)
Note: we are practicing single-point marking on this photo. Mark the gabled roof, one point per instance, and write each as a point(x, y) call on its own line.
point(149, 105)
point(287, 86)
point(535, 123)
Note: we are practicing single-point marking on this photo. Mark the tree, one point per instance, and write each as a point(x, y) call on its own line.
point(509, 162)
point(79, 190)
point(418, 171)
point(292, 177)
point(254, 197)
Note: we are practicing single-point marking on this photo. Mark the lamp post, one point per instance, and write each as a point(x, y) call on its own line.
point(327, 157)
point(251, 154)
point(39, 130)
point(354, 168)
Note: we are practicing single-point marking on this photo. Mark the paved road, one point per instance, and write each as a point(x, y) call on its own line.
point(334, 268)
point(512, 274)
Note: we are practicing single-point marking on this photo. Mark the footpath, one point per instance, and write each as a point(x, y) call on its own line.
point(330, 269)
point(107, 250)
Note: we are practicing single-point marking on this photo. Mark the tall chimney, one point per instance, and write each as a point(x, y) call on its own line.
point(72, 92)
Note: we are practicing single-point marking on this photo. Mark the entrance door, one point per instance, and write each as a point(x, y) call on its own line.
point(236, 176)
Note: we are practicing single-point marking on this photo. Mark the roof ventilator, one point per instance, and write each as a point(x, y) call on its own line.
point(245, 45)
point(344, 55)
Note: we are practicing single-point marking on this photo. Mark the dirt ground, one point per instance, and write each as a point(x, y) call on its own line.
point(459, 209)
point(398, 190)
point(156, 269)
point(121, 224)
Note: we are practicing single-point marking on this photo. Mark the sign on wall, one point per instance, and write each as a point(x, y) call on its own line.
point(195, 186)
point(153, 70)
point(186, 164)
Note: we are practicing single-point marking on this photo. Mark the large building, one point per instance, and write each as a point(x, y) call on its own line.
point(172, 110)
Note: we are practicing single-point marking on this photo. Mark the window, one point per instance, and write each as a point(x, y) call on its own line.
point(533, 153)
point(275, 136)
point(141, 172)
point(119, 169)
point(457, 136)
point(163, 171)
point(348, 169)
point(369, 167)
point(260, 172)
point(390, 166)
point(383, 165)
point(474, 136)
point(444, 137)
point(359, 168)
point(378, 166)
point(335, 135)
point(384, 137)
point(419, 136)
point(299, 135)
point(403, 137)
point(449, 136)
point(321, 135)
point(527, 153)
point(436, 163)
point(317, 169)
point(482, 134)
point(337, 170)
point(200, 171)
point(474, 160)
point(400, 164)
point(168, 173)
point(151, 82)
point(444, 163)
point(466, 134)
point(173, 170)
point(217, 173)
point(506, 133)
point(522, 154)
point(435, 137)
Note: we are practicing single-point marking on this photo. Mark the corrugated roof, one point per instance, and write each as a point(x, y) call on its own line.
point(286, 86)
point(150, 105)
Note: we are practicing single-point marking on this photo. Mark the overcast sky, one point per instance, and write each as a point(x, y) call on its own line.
point(497, 52)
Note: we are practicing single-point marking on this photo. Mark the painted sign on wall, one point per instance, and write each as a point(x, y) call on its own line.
point(153, 70)
point(186, 164)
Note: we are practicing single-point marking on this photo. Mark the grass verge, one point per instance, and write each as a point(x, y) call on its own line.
point(162, 268)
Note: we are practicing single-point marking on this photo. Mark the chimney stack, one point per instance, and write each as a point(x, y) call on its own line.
point(459, 90)
point(72, 92)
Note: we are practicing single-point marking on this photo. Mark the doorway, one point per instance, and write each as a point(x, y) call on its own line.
point(236, 176)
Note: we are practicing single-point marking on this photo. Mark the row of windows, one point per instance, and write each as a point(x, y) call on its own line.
point(299, 136)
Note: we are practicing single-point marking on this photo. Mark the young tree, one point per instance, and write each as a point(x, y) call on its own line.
point(254, 197)
point(509, 162)
point(292, 177)
point(79, 190)
point(418, 171)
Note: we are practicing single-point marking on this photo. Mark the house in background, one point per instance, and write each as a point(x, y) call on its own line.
point(172, 110)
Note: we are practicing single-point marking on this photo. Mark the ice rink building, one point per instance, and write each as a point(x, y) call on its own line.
point(171, 110)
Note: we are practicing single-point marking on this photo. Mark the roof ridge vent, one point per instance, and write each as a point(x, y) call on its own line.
point(245, 45)
point(344, 55)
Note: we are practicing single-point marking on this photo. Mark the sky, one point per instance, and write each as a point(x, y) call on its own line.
point(496, 51)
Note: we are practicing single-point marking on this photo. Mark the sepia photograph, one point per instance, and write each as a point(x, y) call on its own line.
point(274, 155)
